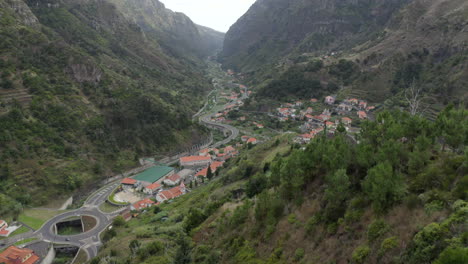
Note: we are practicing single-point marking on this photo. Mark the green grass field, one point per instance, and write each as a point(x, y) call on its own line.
point(35, 218)
point(108, 208)
point(69, 230)
point(24, 241)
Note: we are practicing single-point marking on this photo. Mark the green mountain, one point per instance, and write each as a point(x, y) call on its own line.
point(399, 196)
point(385, 45)
point(86, 89)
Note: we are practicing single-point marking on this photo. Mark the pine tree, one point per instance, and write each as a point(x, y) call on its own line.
point(209, 173)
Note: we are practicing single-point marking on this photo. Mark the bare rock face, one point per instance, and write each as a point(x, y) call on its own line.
point(86, 73)
point(23, 12)
point(175, 30)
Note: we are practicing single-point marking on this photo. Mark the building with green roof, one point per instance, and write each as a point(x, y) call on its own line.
point(154, 174)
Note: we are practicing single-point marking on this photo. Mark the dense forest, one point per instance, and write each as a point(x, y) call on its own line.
point(397, 196)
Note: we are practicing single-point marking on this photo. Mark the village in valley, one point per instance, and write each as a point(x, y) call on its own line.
point(159, 182)
point(311, 118)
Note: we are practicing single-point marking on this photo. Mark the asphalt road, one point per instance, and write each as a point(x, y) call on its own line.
point(90, 240)
point(101, 195)
point(234, 132)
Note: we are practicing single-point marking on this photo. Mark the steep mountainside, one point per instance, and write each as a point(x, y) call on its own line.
point(84, 92)
point(390, 44)
point(398, 197)
point(272, 29)
point(176, 32)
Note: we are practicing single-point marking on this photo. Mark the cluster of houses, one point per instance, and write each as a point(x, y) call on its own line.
point(236, 102)
point(157, 182)
point(291, 111)
point(349, 105)
point(329, 119)
point(15, 255)
point(249, 140)
point(221, 115)
point(207, 156)
point(161, 183)
point(258, 125)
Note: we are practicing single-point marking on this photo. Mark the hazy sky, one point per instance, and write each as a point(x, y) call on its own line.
point(216, 14)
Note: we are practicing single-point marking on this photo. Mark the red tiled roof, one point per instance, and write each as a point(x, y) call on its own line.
point(204, 150)
point(128, 181)
point(154, 186)
point(214, 166)
point(14, 255)
point(194, 158)
point(346, 119)
point(171, 193)
point(143, 204)
point(173, 177)
point(252, 140)
point(203, 172)
point(229, 149)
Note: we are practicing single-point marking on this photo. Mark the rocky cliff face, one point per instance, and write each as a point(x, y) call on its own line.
point(175, 31)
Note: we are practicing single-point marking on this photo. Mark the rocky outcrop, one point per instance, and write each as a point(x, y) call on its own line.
point(175, 31)
point(86, 73)
point(22, 11)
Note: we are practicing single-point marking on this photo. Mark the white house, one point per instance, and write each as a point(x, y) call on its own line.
point(171, 193)
point(330, 99)
point(172, 180)
point(152, 188)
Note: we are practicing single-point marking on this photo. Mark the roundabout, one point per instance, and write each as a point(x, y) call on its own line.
point(88, 240)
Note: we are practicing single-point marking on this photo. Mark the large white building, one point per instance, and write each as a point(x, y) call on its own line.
point(194, 161)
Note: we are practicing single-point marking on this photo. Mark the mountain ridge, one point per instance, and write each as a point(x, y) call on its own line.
point(390, 43)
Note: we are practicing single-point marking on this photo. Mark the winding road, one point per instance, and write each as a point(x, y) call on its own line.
point(90, 241)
